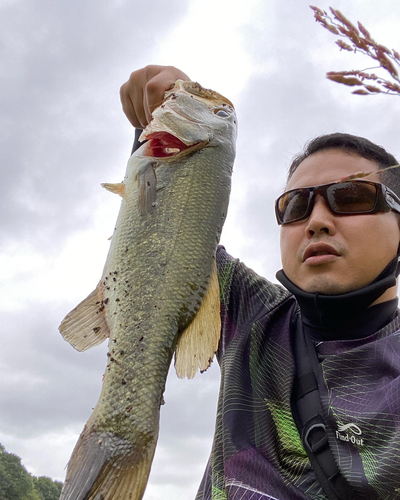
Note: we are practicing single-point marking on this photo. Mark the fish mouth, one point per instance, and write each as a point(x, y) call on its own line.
point(166, 145)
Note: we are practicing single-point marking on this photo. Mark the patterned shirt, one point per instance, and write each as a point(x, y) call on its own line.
point(257, 452)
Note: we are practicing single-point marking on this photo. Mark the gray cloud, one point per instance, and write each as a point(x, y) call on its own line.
point(63, 63)
point(38, 381)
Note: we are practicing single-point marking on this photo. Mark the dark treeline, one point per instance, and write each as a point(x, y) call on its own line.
point(16, 483)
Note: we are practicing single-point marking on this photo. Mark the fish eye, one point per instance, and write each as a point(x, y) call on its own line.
point(221, 112)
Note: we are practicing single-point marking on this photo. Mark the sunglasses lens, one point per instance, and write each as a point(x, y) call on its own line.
point(352, 197)
point(293, 205)
point(343, 198)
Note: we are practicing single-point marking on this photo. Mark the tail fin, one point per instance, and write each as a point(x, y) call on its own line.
point(105, 467)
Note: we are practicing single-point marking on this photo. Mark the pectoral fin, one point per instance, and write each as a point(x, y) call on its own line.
point(199, 341)
point(86, 326)
point(147, 184)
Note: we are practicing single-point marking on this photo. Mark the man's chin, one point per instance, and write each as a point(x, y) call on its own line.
point(326, 286)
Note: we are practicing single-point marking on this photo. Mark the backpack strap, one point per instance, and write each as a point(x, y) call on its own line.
point(307, 413)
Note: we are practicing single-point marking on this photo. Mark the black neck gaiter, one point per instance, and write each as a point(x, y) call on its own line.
point(333, 311)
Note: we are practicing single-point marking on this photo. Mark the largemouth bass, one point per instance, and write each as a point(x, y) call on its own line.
point(159, 290)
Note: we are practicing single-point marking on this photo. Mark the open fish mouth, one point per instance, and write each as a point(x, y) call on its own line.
point(164, 145)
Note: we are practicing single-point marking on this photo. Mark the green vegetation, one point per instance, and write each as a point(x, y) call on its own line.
point(16, 483)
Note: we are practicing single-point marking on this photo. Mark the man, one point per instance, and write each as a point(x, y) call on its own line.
point(309, 404)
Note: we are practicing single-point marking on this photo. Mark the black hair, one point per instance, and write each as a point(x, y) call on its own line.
point(353, 144)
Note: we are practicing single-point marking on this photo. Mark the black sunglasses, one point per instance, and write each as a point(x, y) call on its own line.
point(345, 198)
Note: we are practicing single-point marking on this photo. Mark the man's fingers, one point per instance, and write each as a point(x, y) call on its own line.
point(144, 91)
point(159, 84)
point(146, 107)
point(133, 115)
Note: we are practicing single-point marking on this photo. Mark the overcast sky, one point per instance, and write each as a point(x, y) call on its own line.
point(62, 133)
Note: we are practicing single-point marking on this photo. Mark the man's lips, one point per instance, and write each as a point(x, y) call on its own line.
point(317, 249)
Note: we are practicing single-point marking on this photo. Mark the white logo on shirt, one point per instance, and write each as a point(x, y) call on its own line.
point(342, 435)
point(353, 427)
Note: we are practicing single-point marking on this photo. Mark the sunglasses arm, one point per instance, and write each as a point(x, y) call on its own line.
point(392, 200)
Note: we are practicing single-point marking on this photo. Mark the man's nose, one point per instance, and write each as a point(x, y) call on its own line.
point(321, 219)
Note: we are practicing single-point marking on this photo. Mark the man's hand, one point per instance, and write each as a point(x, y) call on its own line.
point(144, 91)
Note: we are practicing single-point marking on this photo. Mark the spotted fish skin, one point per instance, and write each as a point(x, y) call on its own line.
point(157, 280)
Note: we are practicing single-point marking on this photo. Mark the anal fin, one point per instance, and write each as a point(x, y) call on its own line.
point(199, 341)
point(85, 326)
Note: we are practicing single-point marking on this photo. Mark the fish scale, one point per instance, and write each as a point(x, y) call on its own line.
point(157, 274)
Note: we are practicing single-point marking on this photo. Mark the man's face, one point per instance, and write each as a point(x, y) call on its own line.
point(363, 244)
